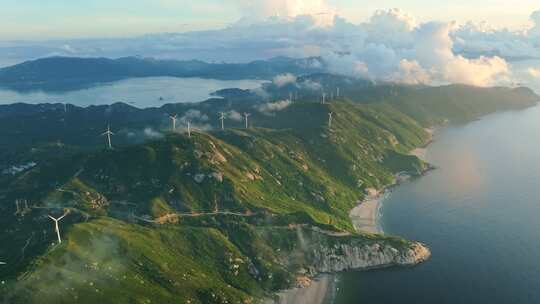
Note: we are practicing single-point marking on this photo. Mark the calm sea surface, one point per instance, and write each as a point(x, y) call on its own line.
point(140, 92)
point(480, 214)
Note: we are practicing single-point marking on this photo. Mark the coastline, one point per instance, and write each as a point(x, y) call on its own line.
point(320, 290)
point(365, 217)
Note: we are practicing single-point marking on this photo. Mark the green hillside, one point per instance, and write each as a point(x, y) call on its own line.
point(215, 217)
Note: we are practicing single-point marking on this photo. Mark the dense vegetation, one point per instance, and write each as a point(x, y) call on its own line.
point(212, 218)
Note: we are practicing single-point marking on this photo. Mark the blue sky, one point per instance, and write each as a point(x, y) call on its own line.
point(44, 19)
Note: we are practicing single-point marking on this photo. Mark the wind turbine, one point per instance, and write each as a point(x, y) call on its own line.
point(337, 92)
point(189, 128)
point(246, 116)
point(222, 118)
point(330, 116)
point(56, 228)
point(108, 133)
point(323, 98)
point(173, 118)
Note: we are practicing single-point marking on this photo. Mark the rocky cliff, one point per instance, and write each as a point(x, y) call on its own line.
point(344, 257)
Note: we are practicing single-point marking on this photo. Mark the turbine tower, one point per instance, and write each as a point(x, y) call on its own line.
point(246, 116)
point(189, 128)
point(222, 118)
point(56, 228)
point(330, 116)
point(108, 133)
point(337, 92)
point(323, 98)
point(173, 119)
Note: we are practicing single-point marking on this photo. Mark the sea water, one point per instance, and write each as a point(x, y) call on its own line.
point(479, 212)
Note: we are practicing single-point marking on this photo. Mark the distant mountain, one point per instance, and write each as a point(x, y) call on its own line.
point(69, 73)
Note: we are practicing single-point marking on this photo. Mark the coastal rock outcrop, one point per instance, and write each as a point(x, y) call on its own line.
point(342, 257)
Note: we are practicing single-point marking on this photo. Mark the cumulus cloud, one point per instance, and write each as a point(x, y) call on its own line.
point(152, 134)
point(283, 80)
point(389, 46)
point(272, 107)
point(410, 72)
point(139, 136)
point(194, 115)
point(311, 85)
point(535, 29)
point(534, 72)
point(234, 115)
point(283, 9)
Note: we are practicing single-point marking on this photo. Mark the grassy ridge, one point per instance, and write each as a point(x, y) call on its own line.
point(220, 208)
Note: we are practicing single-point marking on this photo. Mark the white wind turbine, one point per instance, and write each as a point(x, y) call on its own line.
point(246, 116)
point(56, 228)
point(173, 118)
point(330, 117)
point(323, 98)
point(222, 118)
point(337, 92)
point(108, 133)
point(189, 128)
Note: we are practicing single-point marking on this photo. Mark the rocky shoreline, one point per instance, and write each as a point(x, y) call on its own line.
point(349, 257)
point(328, 261)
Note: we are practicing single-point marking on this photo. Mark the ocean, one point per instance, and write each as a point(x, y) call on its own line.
point(479, 212)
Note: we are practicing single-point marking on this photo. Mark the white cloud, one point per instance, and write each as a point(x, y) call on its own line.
point(193, 115)
point(152, 134)
point(284, 79)
point(271, 107)
point(311, 85)
point(535, 29)
point(234, 115)
point(391, 45)
point(534, 72)
point(285, 9)
point(410, 72)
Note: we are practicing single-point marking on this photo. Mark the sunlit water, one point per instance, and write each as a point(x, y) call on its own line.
point(140, 92)
point(479, 212)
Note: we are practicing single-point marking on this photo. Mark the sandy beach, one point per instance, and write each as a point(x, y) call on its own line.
point(421, 152)
point(365, 216)
point(316, 293)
